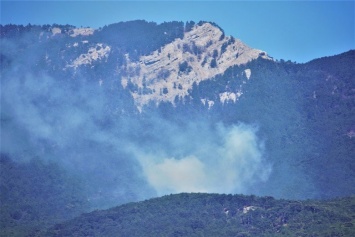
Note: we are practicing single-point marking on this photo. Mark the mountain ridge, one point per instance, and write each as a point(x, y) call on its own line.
point(263, 127)
point(220, 98)
point(189, 54)
point(201, 51)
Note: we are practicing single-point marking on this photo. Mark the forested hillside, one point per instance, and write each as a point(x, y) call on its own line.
point(37, 194)
point(216, 215)
point(305, 114)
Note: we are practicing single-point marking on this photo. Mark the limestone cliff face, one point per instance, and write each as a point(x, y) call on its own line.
point(170, 72)
point(165, 74)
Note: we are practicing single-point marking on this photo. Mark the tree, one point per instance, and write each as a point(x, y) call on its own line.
point(213, 63)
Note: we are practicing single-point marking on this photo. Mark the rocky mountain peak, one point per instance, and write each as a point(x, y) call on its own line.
point(170, 71)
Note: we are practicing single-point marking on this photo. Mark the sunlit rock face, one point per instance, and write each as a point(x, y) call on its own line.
point(81, 31)
point(99, 52)
point(170, 72)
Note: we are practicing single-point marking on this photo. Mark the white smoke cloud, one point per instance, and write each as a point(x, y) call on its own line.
point(49, 118)
point(172, 175)
point(227, 166)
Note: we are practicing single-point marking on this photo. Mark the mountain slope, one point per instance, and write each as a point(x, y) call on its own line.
point(138, 110)
point(305, 113)
point(169, 72)
point(216, 215)
point(117, 98)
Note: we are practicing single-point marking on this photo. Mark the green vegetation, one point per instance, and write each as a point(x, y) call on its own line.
point(216, 215)
point(35, 194)
point(305, 114)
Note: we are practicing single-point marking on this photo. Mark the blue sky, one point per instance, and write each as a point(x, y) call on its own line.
point(291, 30)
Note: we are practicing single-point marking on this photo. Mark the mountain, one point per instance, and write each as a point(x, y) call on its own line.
point(136, 110)
point(216, 215)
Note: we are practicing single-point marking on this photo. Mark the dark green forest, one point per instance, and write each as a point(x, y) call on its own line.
point(37, 194)
point(216, 215)
point(305, 113)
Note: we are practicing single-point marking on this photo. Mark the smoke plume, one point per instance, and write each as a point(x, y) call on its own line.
point(227, 160)
point(83, 125)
